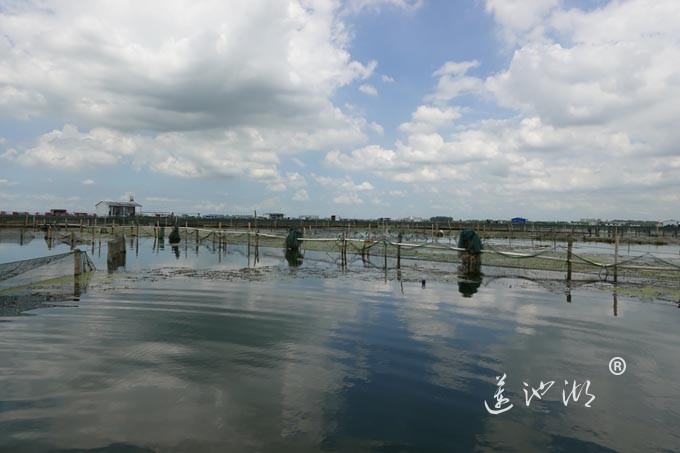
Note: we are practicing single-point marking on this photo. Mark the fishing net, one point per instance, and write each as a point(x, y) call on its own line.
point(27, 283)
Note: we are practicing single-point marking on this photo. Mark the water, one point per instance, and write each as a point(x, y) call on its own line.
point(320, 359)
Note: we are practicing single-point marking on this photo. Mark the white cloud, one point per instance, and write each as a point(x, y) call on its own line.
point(216, 81)
point(350, 198)
point(346, 183)
point(87, 182)
point(301, 195)
point(386, 79)
point(376, 5)
point(518, 17)
point(616, 68)
point(594, 95)
point(371, 157)
point(192, 154)
point(428, 118)
point(368, 89)
point(6, 183)
point(346, 191)
point(454, 82)
point(69, 148)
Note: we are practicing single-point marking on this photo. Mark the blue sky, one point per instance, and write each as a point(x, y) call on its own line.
point(546, 109)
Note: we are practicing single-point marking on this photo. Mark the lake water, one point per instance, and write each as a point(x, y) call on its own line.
point(201, 353)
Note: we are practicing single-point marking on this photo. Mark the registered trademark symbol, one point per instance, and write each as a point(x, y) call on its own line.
point(617, 366)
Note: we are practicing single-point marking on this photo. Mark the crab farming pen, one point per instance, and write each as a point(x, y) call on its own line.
point(572, 259)
point(566, 260)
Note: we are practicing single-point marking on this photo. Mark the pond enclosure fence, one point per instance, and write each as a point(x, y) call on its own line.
point(390, 249)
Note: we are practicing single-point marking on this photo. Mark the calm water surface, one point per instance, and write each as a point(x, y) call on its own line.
point(292, 361)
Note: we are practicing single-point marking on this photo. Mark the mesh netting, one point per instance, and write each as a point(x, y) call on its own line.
point(45, 272)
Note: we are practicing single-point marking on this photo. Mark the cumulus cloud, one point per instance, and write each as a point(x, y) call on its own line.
point(179, 87)
point(593, 101)
point(350, 198)
point(346, 191)
point(343, 183)
point(454, 82)
point(429, 118)
point(368, 89)
point(87, 182)
point(375, 5)
point(519, 16)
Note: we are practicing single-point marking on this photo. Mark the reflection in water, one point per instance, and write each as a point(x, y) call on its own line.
point(469, 274)
point(294, 258)
point(337, 364)
point(115, 258)
point(270, 360)
point(469, 287)
point(116, 254)
point(175, 250)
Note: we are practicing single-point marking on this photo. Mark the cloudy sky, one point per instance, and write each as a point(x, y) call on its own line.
point(547, 109)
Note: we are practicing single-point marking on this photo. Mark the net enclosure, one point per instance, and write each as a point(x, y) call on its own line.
point(53, 277)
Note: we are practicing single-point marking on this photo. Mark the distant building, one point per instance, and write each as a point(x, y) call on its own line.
point(118, 208)
point(518, 220)
point(411, 219)
point(441, 219)
point(309, 217)
point(667, 223)
point(58, 212)
point(275, 216)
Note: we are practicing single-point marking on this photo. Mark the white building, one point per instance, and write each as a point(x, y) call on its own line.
point(118, 208)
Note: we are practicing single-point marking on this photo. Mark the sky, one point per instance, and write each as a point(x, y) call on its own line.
point(475, 109)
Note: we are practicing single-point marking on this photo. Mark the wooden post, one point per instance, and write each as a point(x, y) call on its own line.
point(76, 262)
point(616, 256)
point(385, 252)
point(569, 247)
point(616, 303)
point(257, 246)
point(248, 243)
point(399, 251)
point(345, 247)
